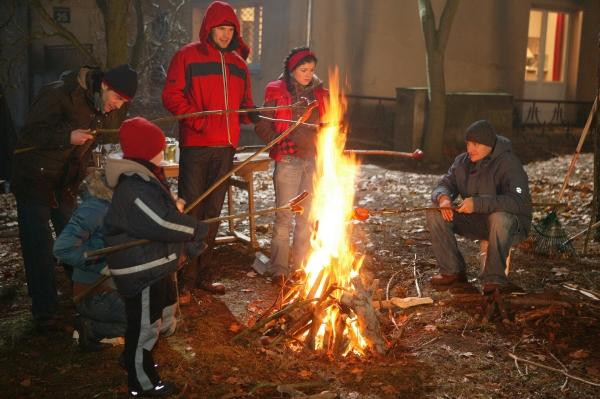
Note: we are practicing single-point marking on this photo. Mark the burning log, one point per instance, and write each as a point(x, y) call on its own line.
point(360, 302)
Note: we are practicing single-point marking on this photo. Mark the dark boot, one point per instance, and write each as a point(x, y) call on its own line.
point(448, 279)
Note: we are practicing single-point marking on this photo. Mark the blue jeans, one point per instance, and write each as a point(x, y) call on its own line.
point(106, 313)
point(292, 176)
point(501, 229)
point(36, 245)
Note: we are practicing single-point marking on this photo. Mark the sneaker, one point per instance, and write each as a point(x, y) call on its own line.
point(86, 341)
point(162, 389)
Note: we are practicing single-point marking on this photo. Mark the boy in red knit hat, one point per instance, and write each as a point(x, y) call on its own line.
point(143, 208)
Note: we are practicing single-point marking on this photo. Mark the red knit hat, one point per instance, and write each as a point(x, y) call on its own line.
point(141, 139)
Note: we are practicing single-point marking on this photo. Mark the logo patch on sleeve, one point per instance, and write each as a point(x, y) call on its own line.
point(519, 190)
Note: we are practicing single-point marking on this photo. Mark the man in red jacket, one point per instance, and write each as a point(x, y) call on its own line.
point(208, 75)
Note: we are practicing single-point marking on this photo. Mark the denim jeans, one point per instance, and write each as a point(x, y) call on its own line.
point(200, 167)
point(501, 229)
point(106, 313)
point(292, 176)
point(36, 246)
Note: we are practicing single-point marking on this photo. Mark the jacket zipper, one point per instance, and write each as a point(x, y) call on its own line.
point(226, 96)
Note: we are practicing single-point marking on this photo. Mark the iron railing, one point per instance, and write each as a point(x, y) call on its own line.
point(543, 115)
point(370, 120)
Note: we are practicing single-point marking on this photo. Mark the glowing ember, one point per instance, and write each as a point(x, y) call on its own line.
point(332, 263)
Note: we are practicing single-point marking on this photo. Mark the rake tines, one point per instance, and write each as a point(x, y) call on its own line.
point(549, 238)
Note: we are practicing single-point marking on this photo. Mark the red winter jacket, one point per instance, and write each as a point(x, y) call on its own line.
point(277, 94)
point(202, 78)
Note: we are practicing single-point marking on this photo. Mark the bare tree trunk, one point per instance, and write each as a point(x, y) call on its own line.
point(116, 14)
point(435, 43)
point(137, 52)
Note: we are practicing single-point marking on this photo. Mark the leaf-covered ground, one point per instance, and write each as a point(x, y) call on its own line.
point(446, 350)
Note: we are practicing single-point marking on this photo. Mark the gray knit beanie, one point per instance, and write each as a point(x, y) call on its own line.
point(481, 132)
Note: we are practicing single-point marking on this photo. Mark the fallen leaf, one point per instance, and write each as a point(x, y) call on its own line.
point(26, 382)
point(465, 354)
point(304, 373)
point(251, 274)
point(235, 327)
point(233, 381)
point(579, 354)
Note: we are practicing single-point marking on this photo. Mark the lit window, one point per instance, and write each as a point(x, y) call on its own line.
point(547, 31)
point(251, 20)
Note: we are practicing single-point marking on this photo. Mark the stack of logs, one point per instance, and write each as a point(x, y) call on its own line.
point(301, 318)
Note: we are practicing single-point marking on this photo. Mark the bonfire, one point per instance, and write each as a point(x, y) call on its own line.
point(327, 307)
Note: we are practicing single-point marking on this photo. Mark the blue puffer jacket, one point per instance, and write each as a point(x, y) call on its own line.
point(142, 208)
point(497, 183)
point(84, 232)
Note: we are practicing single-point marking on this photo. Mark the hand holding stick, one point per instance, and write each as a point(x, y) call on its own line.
point(293, 205)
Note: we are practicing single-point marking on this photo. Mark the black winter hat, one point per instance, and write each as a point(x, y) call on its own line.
point(481, 132)
point(123, 80)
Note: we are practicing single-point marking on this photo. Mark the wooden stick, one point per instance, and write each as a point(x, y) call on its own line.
point(274, 316)
point(416, 154)
point(520, 359)
point(584, 134)
point(301, 103)
point(221, 180)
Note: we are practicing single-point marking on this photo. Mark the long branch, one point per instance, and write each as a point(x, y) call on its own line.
point(515, 357)
point(62, 31)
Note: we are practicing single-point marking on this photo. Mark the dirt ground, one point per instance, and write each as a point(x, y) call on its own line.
point(454, 348)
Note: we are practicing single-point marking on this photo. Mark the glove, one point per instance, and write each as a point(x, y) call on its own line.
point(254, 116)
point(194, 248)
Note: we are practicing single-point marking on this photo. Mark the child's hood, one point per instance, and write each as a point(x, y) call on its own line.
point(115, 167)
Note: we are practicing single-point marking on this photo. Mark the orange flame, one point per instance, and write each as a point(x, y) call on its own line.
point(332, 261)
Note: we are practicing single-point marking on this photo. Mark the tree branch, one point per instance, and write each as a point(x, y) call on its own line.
point(62, 31)
point(446, 19)
point(428, 24)
point(140, 39)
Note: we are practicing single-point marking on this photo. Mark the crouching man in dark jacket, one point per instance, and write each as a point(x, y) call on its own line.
point(144, 208)
point(496, 206)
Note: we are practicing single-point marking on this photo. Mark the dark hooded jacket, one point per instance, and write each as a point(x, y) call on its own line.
point(143, 208)
point(49, 162)
point(202, 77)
point(497, 183)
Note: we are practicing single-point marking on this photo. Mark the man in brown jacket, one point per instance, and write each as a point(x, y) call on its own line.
point(53, 150)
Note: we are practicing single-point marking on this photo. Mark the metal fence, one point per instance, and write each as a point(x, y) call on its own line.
point(545, 115)
point(370, 120)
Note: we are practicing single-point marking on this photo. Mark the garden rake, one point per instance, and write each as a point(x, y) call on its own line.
point(548, 236)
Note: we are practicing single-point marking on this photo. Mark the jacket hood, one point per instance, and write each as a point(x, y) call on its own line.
point(89, 79)
point(95, 184)
point(220, 13)
point(502, 145)
point(115, 167)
